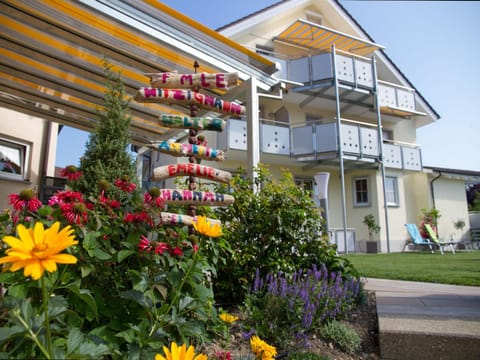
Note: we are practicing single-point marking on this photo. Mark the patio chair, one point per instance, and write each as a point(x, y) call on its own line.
point(433, 237)
point(417, 241)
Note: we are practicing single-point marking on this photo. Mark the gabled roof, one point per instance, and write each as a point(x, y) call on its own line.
point(365, 35)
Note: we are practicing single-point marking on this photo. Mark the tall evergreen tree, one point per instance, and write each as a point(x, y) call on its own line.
point(106, 157)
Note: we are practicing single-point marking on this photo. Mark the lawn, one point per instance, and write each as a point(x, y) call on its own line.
point(463, 268)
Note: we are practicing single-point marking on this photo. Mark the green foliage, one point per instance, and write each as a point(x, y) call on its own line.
point(276, 228)
point(371, 224)
point(138, 284)
point(346, 338)
point(106, 157)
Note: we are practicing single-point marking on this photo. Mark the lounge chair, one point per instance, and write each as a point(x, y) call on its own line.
point(433, 237)
point(417, 240)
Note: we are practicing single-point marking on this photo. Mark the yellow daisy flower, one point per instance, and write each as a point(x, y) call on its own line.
point(228, 318)
point(261, 349)
point(38, 249)
point(180, 353)
point(207, 227)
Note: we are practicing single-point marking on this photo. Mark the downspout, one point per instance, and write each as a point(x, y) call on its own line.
point(432, 192)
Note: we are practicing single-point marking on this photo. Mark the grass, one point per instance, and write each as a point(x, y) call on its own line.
point(463, 268)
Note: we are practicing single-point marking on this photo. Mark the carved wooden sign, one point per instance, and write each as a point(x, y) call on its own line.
point(189, 197)
point(187, 122)
point(191, 169)
point(192, 81)
point(199, 151)
point(189, 97)
point(180, 219)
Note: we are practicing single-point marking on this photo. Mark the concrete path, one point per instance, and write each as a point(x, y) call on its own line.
point(427, 321)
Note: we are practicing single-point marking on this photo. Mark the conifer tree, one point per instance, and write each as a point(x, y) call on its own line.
point(106, 158)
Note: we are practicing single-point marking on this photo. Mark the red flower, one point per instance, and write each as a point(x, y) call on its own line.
point(176, 251)
point(71, 173)
point(125, 185)
point(61, 197)
point(161, 247)
point(25, 200)
point(144, 244)
point(114, 204)
point(75, 213)
point(223, 355)
point(138, 218)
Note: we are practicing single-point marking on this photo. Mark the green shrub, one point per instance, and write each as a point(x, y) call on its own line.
point(340, 334)
point(276, 228)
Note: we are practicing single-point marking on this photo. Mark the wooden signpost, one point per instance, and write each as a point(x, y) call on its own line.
point(174, 88)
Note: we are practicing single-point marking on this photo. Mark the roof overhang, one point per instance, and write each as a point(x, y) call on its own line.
point(315, 37)
point(52, 51)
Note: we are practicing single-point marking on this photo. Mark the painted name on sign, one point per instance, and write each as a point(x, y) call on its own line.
point(182, 96)
point(170, 196)
point(203, 80)
point(191, 169)
point(202, 152)
point(187, 122)
point(180, 219)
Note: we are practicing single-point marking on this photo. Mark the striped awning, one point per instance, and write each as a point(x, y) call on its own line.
point(316, 37)
point(52, 53)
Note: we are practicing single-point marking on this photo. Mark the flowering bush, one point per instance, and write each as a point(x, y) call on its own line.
point(136, 283)
point(298, 304)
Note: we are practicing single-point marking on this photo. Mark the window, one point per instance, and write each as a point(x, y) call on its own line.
point(308, 185)
point(13, 159)
point(391, 191)
point(360, 192)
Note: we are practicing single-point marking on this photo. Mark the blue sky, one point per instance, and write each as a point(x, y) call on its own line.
point(434, 43)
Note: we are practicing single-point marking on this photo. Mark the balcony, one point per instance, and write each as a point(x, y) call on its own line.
point(353, 72)
point(317, 142)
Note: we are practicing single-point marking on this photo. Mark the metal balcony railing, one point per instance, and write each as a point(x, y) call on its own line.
point(351, 70)
point(319, 141)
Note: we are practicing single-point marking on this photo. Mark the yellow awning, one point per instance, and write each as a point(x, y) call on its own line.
point(52, 51)
point(316, 37)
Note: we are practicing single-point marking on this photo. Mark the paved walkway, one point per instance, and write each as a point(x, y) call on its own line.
point(427, 321)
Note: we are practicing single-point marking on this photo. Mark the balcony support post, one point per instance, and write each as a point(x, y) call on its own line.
point(340, 149)
point(380, 148)
point(253, 129)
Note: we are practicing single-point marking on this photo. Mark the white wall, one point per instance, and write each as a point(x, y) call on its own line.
point(32, 131)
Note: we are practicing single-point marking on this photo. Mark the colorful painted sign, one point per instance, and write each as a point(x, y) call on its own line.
point(180, 219)
point(191, 169)
point(192, 81)
point(189, 197)
point(185, 97)
point(187, 122)
point(199, 151)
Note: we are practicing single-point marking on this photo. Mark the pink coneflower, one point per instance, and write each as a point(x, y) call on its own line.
point(75, 213)
point(71, 173)
point(67, 196)
point(125, 185)
point(25, 200)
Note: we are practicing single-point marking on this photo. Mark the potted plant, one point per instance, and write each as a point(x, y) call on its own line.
point(373, 228)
